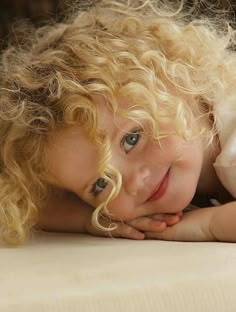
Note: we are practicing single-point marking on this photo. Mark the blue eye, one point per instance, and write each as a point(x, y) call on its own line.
point(99, 186)
point(131, 140)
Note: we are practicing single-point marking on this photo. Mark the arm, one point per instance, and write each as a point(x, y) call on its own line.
point(206, 224)
point(223, 222)
point(65, 212)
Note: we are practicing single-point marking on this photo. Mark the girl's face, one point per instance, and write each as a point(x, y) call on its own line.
point(158, 177)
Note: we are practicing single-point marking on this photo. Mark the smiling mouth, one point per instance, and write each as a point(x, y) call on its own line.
point(160, 190)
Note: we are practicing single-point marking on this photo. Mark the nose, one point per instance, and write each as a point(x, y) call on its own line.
point(136, 180)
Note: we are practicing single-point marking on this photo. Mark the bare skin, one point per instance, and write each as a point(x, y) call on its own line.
point(66, 212)
point(183, 167)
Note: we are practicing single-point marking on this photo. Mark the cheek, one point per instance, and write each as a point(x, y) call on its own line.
point(122, 208)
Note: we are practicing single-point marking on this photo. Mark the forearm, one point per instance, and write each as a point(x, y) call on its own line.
point(64, 212)
point(223, 222)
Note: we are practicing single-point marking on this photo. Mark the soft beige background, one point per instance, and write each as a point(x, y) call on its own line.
point(72, 272)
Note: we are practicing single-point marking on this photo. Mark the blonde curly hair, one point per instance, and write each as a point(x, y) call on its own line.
point(143, 50)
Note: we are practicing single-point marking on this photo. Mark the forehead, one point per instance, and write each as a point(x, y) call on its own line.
point(108, 120)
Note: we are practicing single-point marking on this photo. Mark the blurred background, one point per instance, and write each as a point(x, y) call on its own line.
point(37, 11)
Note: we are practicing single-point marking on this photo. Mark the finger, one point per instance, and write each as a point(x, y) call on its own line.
point(147, 210)
point(126, 231)
point(147, 224)
point(122, 230)
point(169, 219)
point(179, 213)
point(165, 235)
point(114, 229)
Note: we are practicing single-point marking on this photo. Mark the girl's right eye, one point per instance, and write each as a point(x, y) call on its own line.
point(99, 186)
point(130, 140)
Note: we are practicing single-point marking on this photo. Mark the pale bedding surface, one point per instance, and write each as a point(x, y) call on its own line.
point(72, 272)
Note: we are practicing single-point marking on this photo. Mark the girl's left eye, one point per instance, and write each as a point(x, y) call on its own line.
point(99, 186)
point(131, 140)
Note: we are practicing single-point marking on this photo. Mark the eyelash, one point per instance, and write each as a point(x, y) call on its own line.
point(93, 188)
point(133, 132)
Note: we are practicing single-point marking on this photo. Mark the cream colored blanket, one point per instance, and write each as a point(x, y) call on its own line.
point(79, 273)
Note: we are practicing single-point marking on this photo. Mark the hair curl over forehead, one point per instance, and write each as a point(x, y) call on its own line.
point(163, 63)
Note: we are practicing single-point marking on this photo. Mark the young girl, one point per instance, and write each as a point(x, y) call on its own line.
point(114, 121)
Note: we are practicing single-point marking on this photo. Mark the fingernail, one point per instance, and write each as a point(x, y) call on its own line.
point(173, 218)
point(139, 235)
point(161, 224)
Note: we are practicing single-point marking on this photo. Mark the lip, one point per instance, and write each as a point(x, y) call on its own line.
point(160, 189)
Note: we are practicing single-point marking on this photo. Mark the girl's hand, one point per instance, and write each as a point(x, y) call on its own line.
point(193, 226)
point(65, 212)
point(136, 229)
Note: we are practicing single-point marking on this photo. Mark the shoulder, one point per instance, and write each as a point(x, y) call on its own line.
point(225, 163)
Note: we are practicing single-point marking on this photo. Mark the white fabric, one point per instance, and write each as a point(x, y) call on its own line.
point(80, 273)
point(225, 164)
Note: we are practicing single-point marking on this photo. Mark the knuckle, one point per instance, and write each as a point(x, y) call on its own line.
point(122, 230)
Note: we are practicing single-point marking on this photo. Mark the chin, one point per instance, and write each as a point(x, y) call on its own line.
point(186, 201)
point(178, 202)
